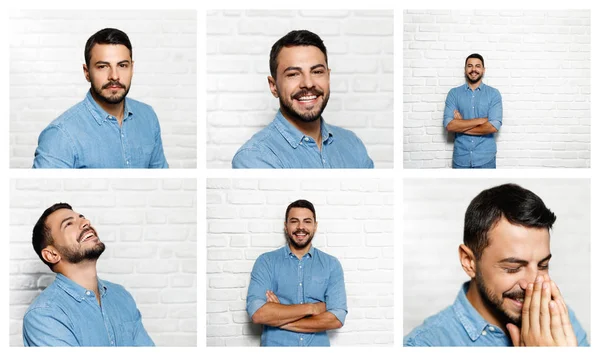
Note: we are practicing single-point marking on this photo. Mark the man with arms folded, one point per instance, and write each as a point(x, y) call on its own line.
point(510, 299)
point(106, 129)
point(297, 292)
point(78, 308)
point(299, 137)
point(474, 112)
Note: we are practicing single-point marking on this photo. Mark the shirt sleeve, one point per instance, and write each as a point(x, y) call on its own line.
point(451, 105)
point(580, 334)
point(141, 337)
point(495, 112)
point(255, 158)
point(55, 149)
point(335, 295)
point(260, 282)
point(366, 161)
point(47, 327)
point(158, 159)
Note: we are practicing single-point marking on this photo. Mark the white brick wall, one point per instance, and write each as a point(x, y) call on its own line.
point(149, 228)
point(538, 60)
point(245, 219)
point(434, 211)
point(360, 48)
point(46, 75)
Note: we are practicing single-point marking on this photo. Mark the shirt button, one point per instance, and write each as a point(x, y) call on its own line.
point(127, 162)
point(484, 333)
point(491, 328)
point(306, 139)
point(88, 292)
point(300, 283)
point(301, 339)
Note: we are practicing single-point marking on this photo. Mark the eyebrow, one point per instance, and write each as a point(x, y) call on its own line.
point(300, 68)
point(105, 62)
point(523, 262)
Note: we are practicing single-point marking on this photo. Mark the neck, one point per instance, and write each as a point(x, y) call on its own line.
point(300, 252)
point(84, 274)
point(311, 129)
point(115, 110)
point(482, 308)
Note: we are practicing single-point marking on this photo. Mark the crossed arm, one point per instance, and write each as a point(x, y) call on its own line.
point(478, 126)
point(303, 318)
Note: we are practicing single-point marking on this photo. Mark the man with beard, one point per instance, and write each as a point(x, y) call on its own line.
point(299, 137)
point(78, 308)
point(297, 292)
point(106, 129)
point(474, 113)
point(510, 299)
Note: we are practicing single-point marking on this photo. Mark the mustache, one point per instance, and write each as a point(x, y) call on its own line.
point(85, 231)
point(112, 84)
point(302, 93)
point(514, 295)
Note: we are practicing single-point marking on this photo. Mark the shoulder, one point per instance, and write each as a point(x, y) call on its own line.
point(69, 117)
point(332, 261)
point(258, 151)
point(260, 140)
point(271, 255)
point(117, 290)
point(492, 90)
point(435, 330)
point(141, 109)
point(49, 302)
point(345, 135)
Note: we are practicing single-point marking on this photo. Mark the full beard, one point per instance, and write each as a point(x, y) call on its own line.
point(473, 81)
point(287, 107)
point(494, 304)
point(112, 99)
point(297, 245)
point(78, 255)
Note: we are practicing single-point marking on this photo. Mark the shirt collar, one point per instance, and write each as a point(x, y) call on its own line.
point(468, 316)
point(98, 113)
point(294, 136)
point(76, 291)
point(289, 253)
point(480, 87)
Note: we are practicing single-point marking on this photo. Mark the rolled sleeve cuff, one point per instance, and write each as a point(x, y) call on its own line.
point(340, 314)
point(496, 124)
point(254, 305)
point(447, 121)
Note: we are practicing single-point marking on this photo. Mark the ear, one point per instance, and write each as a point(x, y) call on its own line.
point(86, 72)
point(273, 86)
point(467, 260)
point(50, 255)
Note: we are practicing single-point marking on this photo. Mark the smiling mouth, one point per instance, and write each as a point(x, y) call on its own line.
point(87, 236)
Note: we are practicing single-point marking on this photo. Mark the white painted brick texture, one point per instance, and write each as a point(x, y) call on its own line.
point(538, 60)
point(149, 228)
point(434, 212)
point(360, 50)
point(245, 219)
point(46, 75)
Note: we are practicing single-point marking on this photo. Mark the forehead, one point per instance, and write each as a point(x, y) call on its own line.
point(474, 61)
point(300, 213)
point(526, 243)
point(54, 220)
point(299, 56)
point(109, 52)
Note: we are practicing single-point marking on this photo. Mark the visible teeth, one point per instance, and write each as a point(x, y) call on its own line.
point(87, 236)
point(312, 97)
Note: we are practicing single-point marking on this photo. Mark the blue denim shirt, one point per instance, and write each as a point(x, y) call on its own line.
point(86, 136)
point(317, 277)
point(485, 101)
point(461, 325)
point(66, 314)
point(281, 145)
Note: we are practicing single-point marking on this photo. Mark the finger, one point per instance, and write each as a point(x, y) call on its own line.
point(525, 309)
point(545, 311)
point(564, 315)
point(515, 334)
point(534, 309)
point(558, 334)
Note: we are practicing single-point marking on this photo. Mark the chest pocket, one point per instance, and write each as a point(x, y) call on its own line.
point(482, 106)
point(316, 289)
point(127, 332)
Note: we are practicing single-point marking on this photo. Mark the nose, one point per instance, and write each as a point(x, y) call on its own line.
point(84, 223)
point(113, 74)
point(306, 82)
